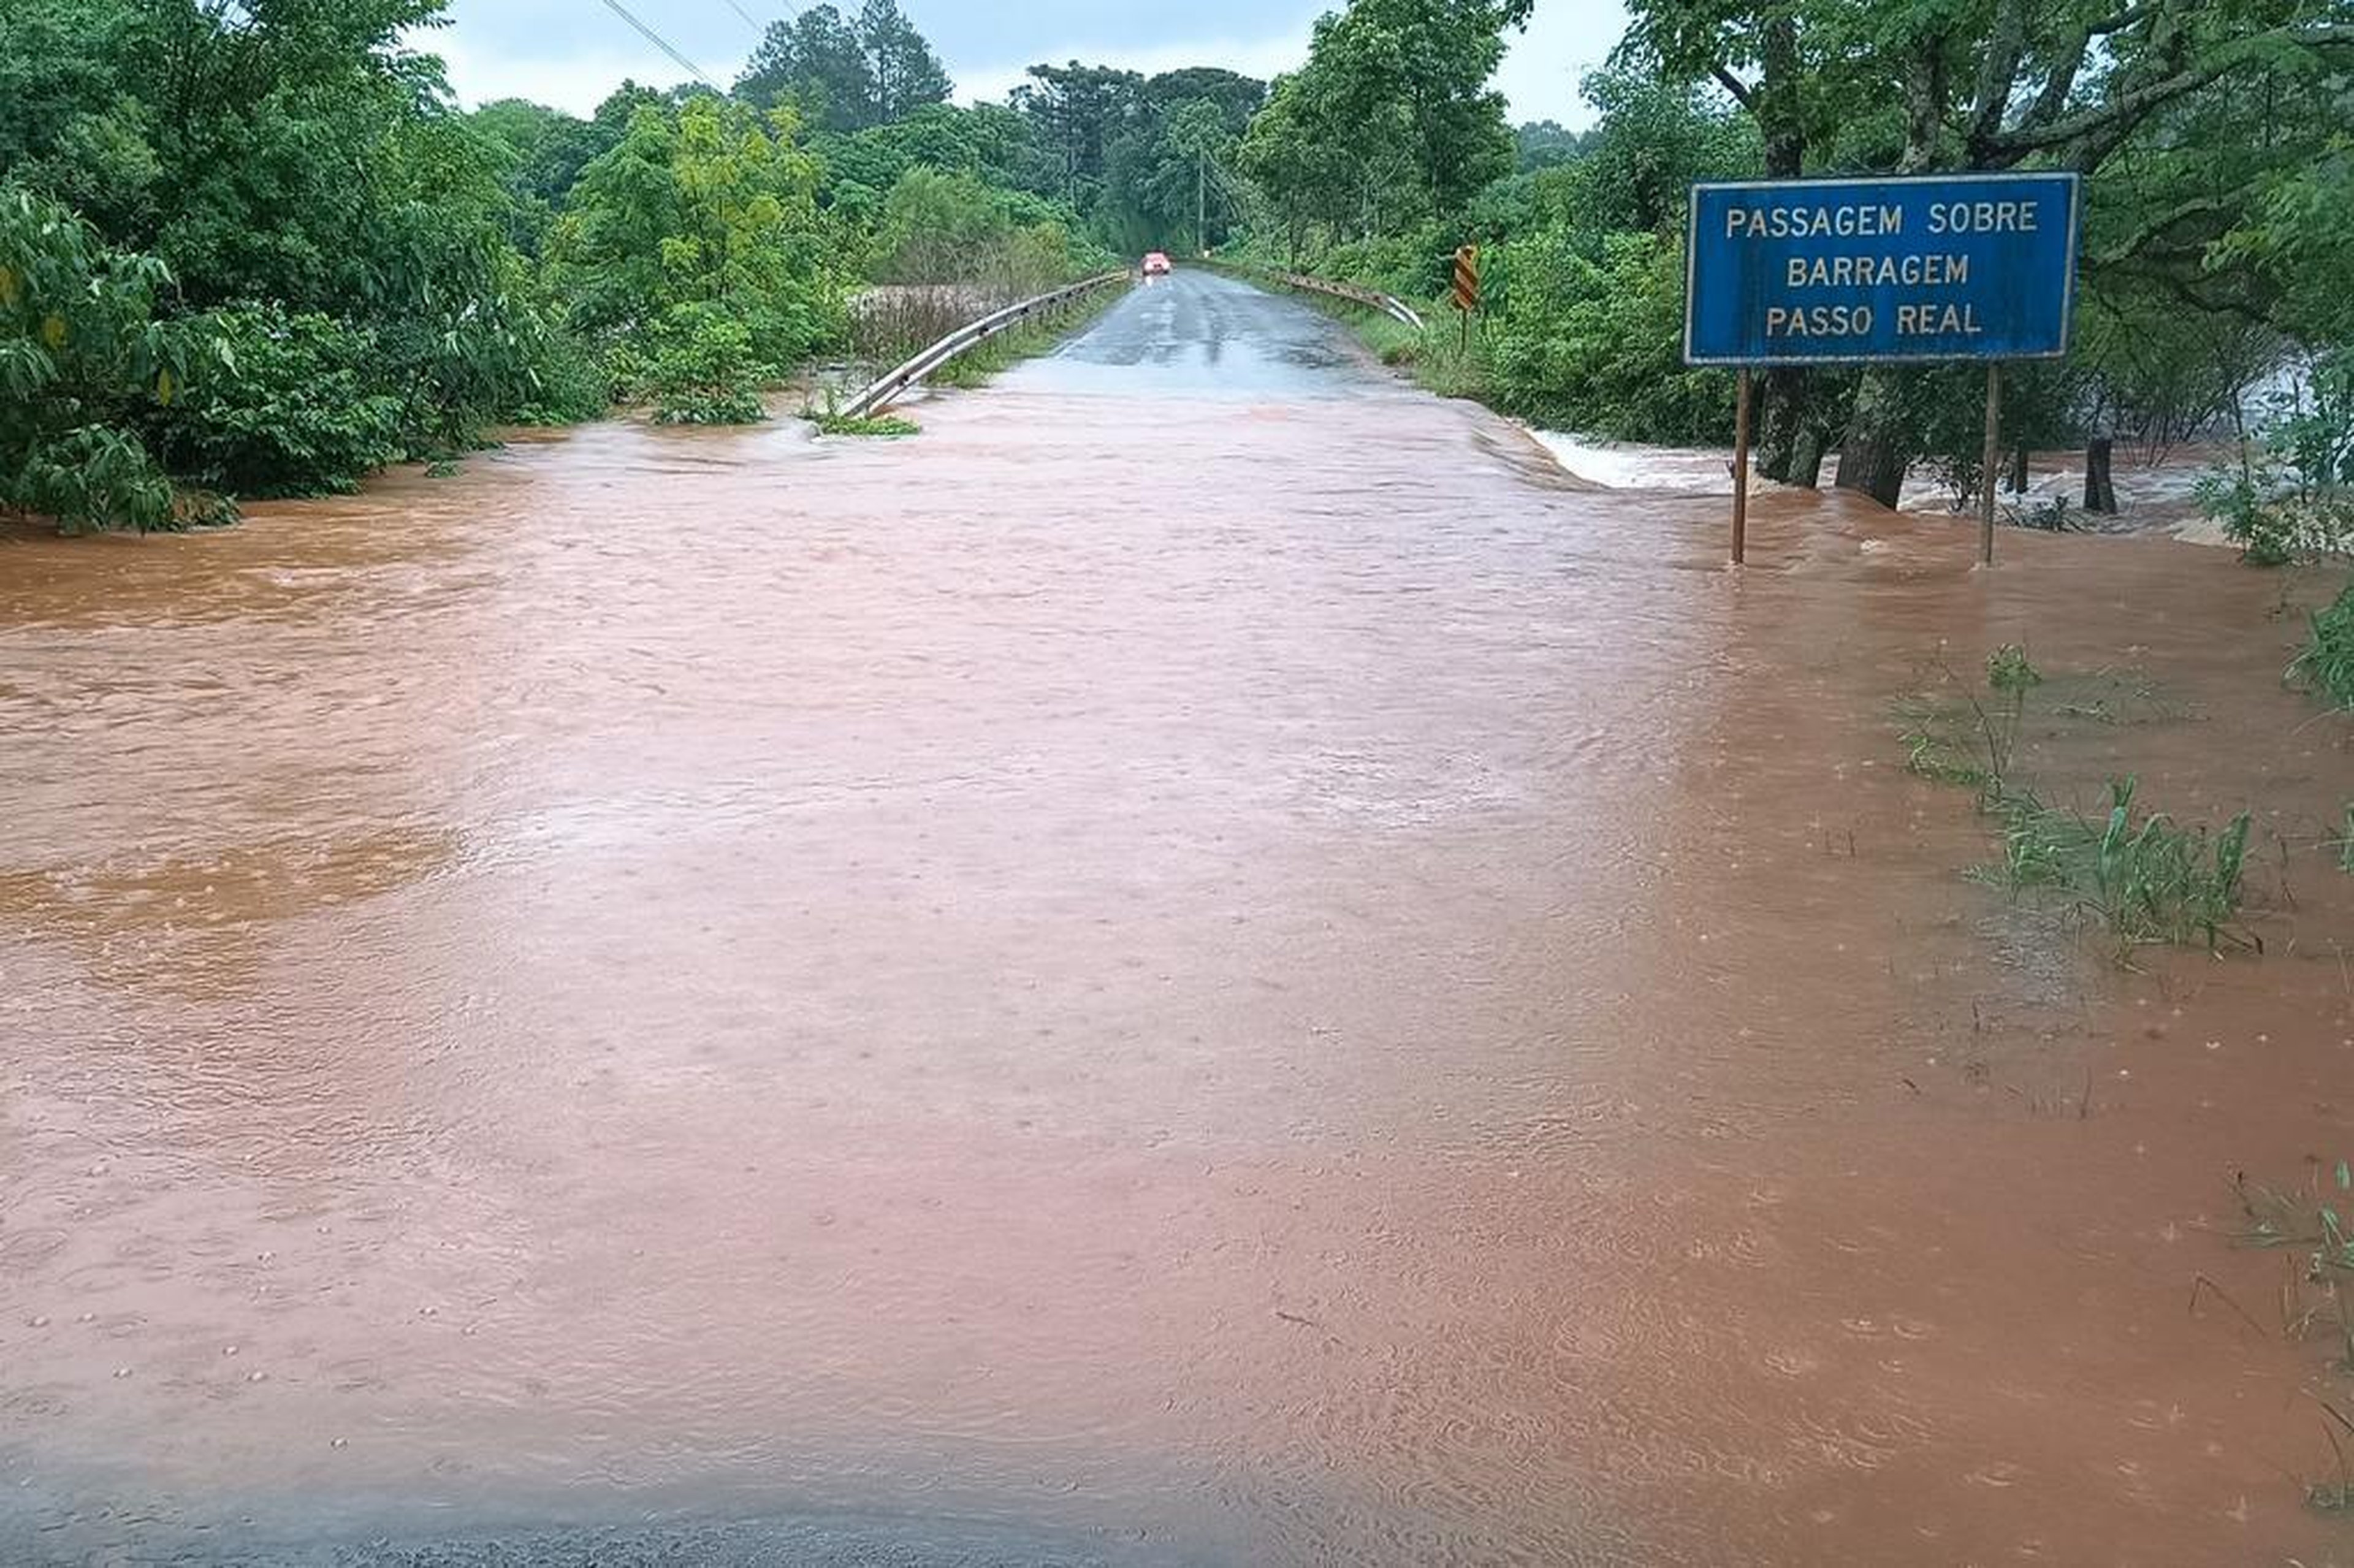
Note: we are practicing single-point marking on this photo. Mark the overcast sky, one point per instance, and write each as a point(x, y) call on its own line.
point(571, 53)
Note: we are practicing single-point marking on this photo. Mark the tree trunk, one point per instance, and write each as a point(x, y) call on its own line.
point(1877, 449)
point(1879, 446)
point(1778, 107)
point(1789, 408)
point(2100, 492)
point(2019, 471)
point(1790, 417)
point(1806, 457)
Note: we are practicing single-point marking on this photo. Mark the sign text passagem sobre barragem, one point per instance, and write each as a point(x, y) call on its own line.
point(1971, 266)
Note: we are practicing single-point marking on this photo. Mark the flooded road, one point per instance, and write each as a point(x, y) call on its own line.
point(1208, 963)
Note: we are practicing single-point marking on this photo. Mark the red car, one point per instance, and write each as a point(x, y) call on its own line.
point(1156, 263)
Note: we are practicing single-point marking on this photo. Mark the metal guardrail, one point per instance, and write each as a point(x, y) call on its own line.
point(913, 372)
point(1388, 304)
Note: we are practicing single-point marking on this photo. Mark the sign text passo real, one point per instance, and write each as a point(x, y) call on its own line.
point(1965, 267)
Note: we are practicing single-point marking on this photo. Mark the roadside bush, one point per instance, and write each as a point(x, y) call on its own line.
point(566, 382)
point(2325, 668)
point(295, 409)
point(704, 372)
point(83, 359)
point(1416, 265)
point(1595, 345)
point(2291, 495)
point(93, 477)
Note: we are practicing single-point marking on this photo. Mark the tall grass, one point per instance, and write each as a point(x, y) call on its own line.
point(2137, 873)
point(2315, 1229)
point(893, 322)
point(1973, 748)
point(888, 426)
point(1441, 356)
point(2325, 668)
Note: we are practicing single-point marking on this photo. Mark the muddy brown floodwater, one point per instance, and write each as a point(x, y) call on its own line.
point(1196, 966)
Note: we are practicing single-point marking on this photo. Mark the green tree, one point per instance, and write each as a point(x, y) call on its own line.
point(1309, 177)
point(299, 159)
point(1200, 139)
point(845, 75)
point(907, 74)
point(988, 139)
point(1391, 125)
point(817, 62)
point(2297, 238)
point(1592, 343)
point(83, 359)
point(605, 253)
point(696, 242)
point(1543, 144)
point(1651, 140)
point(1077, 114)
point(542, 152)
point(1174, 172)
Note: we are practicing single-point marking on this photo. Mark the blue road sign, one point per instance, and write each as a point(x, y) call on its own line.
point(1826, 271)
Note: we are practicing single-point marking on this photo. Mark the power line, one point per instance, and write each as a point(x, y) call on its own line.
point(658, 41)
point(791, 13)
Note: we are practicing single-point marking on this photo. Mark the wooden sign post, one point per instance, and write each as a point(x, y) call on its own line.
point(1741, 466)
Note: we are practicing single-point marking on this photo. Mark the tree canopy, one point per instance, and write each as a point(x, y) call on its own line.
point(845, 74)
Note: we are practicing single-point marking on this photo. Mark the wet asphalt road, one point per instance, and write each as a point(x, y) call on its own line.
point(1198, 333)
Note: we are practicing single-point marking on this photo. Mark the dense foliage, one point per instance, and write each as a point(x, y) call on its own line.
point(303, 260)
point(1149, 160)
point(254, 247)
point(83, 361)
point(845, 74)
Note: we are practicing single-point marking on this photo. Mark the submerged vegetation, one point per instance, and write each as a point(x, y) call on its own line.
point(2315, 1229)
point(2290, 495)
point(2136, 874)
point(886, 426)
point(2326, 667)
